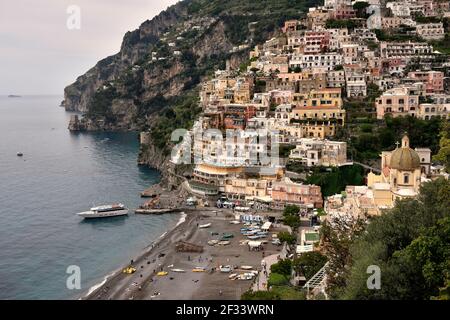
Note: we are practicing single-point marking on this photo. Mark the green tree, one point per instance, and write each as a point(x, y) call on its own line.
point(283, 267)
point(309, 263)
point(360, 8)
point(411, 245)
point(285, 236)
point(443, 155)
point(337, 237)
point(290, 209)
point(292, 220)
point(276, 279)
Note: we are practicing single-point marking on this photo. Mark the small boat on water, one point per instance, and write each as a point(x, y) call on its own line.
point(19, 154)
point(14, 96)
point(105, 211)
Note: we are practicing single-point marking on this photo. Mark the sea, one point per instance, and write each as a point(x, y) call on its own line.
point(46, 250)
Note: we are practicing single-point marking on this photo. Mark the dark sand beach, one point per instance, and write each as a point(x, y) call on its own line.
point(162, 255)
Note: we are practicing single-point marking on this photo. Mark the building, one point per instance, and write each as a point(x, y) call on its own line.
point(398, 101)
point(431, 31)
point(433, 80)
point(326, 61)
point(356, 84)
point(429, 110)
point(389, 23)
point(252, 183)
point(343, 11)
point(210, 179)
point(317, 18)
point(405, 50)
point(286, 192)
point(317, 152)
point(401, 174)
point(336, 79)
point(325, 98)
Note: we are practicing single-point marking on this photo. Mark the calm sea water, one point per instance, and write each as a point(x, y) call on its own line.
point(59, 175)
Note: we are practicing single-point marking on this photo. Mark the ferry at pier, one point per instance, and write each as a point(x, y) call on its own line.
point(105, 211)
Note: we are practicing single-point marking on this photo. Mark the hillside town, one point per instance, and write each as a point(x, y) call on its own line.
point(268, 126)
point(291, 96)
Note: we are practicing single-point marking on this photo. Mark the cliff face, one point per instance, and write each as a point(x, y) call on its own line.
point(151, 84)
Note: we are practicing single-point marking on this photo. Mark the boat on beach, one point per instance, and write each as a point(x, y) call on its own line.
point(111, 210)
point(156, 211)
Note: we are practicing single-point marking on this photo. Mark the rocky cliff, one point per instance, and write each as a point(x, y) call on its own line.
point(151, 84)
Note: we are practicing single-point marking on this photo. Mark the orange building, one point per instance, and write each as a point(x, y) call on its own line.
point(286, 192)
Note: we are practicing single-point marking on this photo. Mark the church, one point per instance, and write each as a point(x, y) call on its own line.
point(402, 172)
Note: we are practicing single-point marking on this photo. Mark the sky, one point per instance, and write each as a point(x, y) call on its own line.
point(42, 50)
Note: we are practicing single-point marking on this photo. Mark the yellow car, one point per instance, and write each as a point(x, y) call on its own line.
point(162, 273)
point(198, 269)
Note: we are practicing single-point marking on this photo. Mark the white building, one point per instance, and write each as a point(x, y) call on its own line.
point(431, 31)
point(405, 50)
point(326, 61)
point(317, 152)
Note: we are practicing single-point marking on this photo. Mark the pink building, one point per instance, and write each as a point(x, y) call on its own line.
point(280, 96)
point(290, 25)
point(433, 80)
point(316, 41)
point(287, 192)
point(399, 101)
point(344, 12)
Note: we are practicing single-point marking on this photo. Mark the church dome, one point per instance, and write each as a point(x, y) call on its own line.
point(404, 158)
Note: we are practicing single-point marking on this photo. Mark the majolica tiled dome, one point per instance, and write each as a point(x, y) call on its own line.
point(404, 158)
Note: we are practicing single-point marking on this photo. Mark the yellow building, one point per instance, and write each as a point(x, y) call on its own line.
point(326, 98)
point(252, 182)
point(211, 179)
point(400, 176)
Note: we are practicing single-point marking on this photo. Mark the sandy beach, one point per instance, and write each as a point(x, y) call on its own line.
point(144, 284)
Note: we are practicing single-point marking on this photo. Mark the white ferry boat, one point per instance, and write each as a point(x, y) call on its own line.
point(112, 210)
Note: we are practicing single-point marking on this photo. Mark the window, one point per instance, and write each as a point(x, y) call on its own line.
point(406, 179)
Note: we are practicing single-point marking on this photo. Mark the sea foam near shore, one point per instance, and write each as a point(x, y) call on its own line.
point(182, 219)
point(100, 284)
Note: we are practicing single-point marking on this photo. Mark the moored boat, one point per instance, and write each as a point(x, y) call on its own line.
point(156, 211)
point(105, 211)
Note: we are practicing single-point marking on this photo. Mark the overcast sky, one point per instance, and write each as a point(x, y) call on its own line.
point(40, 55)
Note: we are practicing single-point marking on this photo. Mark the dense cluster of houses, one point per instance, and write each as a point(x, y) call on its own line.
point(292, 93)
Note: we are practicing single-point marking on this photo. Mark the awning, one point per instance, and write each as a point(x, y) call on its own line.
point(266, 225)
point(254, 244)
